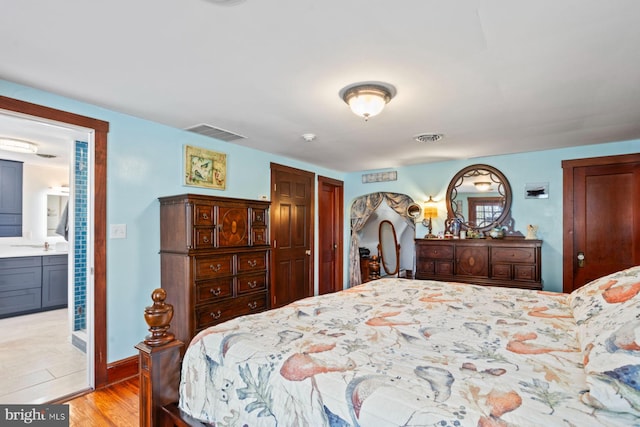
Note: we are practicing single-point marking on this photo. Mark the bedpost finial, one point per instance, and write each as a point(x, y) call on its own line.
point(158, 317)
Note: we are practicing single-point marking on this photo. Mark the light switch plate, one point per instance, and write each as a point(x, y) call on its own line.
point(118, 231)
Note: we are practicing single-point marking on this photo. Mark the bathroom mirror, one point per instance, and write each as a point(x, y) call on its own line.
point(388, 248)
point(55, 210)
point(479, 196)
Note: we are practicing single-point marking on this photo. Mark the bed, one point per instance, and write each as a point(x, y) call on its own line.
point(404, 352)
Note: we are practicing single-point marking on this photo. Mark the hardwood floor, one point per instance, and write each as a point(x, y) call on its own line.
point(113, 406)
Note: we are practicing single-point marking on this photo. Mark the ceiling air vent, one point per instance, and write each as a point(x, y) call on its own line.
point(214, 132)
point(428, 137)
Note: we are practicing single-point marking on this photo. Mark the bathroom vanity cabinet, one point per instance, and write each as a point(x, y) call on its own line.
point(33, 283)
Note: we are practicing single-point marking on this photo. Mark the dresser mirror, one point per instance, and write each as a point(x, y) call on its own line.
point(479, 199)
point(388, 247)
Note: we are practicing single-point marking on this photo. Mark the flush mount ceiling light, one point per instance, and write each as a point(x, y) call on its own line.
point(18, 146)
point(367, 99)
point(482, 185)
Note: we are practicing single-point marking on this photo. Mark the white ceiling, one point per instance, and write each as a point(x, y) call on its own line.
point(495, 76)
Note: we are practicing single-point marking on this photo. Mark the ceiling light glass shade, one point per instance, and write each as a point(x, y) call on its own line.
point(367, 100)
point(18, 146)
point(482, 186)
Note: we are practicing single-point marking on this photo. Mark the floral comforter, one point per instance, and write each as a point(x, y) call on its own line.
point(396, 352)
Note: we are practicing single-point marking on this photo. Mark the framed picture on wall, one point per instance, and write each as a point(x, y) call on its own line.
point(204, 168)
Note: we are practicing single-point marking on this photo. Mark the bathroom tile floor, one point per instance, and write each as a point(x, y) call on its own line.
point(38, 363)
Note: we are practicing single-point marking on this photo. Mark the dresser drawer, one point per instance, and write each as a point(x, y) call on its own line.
point(522, 255)
point(203, 214)
point(208, 267)
point(435, 251)
point(525, 273)
point(251, 283)
point(252, 261)
point(259, 236)
point(212, 314)
point(204, 238)
point(212, 290)
point(258, 216)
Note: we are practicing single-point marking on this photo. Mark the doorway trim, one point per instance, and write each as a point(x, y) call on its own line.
point(100, 128)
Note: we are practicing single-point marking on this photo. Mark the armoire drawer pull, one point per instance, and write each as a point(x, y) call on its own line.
point(205, 216)
point(252, 262)
point(252, 284)
point(215, 267)
point(253, 305)
point(205, 239)
point(215, 292)
point(215, 315)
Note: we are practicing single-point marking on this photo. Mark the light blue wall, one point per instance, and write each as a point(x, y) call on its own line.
point(144, 162)
point(421, 181)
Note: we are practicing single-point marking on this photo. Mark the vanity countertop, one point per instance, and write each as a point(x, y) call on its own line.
point(14, 251)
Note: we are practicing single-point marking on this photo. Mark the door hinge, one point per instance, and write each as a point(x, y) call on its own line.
point(275, 243)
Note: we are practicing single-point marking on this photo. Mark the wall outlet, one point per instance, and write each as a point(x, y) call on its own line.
point(118, 231)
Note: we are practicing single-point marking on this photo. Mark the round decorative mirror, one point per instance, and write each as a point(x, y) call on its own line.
point(388, 247)
point(479, 198)
point(414, 211)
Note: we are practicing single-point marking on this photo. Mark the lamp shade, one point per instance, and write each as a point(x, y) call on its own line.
point(430, 208)
point(367, 100)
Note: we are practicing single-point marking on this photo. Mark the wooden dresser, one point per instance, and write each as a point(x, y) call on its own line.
point(501, 262)
point(214, 259)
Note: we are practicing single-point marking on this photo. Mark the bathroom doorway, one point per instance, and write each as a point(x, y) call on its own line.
point(52, 353)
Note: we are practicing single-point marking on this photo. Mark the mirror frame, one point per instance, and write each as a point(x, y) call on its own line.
point(381, 251)
point(504, 221)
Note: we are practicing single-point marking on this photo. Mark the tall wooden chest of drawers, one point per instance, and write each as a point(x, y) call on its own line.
point(215, 255)
point(501, 262)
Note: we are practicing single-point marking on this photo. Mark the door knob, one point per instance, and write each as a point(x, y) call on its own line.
point(580, 259)
point(307, 252)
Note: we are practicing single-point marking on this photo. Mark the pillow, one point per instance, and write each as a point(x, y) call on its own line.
point(607, 314)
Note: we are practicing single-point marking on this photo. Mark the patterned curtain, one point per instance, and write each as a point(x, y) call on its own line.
point(361, 210)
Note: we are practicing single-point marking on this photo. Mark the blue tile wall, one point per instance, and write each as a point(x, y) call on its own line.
point(81, 186)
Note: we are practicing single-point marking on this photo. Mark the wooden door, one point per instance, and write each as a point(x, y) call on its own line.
point(292, 231)
point(330, 240)
point(601, 216)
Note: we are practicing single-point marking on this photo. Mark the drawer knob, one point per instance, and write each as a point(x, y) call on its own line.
point(215, 268)
point(252, 284)
point(205, 216)
point(252, 263)
point(205, 239)
point(253, 305)
point(215, 316)
point(215, 292)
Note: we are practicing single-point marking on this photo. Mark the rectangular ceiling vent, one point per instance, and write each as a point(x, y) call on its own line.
point(214, 132)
